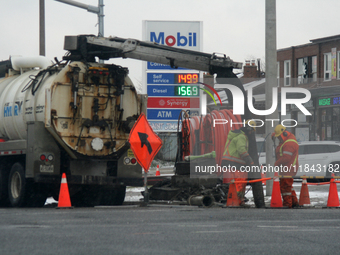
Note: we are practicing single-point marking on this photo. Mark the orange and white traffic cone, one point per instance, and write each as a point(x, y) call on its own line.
point(304, 193)
point(276, 200)
point(232, 199)
point(158, 173)
point(64, 200)
point(333, 196)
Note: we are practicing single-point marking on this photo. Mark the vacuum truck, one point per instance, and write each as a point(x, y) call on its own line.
point(73, 118)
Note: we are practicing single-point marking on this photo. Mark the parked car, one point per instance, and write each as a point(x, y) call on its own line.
point(319, 158)
point(316, 158)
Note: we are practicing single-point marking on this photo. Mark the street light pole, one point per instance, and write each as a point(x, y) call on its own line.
point(99, 10)
point(271, 82)
point(101, 17)
point(42, 47)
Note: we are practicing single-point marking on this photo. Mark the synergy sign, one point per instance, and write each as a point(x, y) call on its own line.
point(170, 90)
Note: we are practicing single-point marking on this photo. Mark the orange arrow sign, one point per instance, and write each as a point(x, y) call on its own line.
point(144, 142)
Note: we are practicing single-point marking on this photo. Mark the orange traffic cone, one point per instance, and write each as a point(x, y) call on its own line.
point(64, 200)
point(304, 194)
point(276, 200)
point(232, 199)
point(333, 197)
point(158, 173)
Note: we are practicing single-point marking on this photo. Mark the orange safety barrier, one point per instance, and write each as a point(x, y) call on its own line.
point(317, 184)
point(253, 181)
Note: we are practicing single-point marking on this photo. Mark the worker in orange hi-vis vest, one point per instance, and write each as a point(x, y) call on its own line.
point(236, 155)
point(287, 153)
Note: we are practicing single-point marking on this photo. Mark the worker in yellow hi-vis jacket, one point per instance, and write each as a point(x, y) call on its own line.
point(236, 155)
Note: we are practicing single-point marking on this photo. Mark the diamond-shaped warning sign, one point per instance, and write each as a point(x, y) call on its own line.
point(144, 142)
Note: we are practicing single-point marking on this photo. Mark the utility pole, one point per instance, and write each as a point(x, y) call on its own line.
point(42, 47)
point(99, 10)
point(271, 82)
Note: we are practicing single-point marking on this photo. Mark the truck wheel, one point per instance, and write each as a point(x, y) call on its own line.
point(113, 196)
point(120, 195)
point(4, 200)
point(23, 192)
point(87, 196)
point(17, 185)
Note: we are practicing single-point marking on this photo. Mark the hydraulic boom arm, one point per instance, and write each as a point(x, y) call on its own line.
point(85, 47)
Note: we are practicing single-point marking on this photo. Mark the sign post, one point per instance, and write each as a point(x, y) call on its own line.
point(145, 144)
point(146, 191)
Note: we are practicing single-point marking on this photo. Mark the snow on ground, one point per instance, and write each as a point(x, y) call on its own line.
point(133, 194)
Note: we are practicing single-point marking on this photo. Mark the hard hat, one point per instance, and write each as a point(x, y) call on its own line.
point(251, 123)
point(279, 130)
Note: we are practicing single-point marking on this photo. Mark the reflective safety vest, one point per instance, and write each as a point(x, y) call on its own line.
point(236, 148)
point(288, 152)
point(287, 156)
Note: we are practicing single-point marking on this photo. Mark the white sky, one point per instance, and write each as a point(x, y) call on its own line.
point(233, 27)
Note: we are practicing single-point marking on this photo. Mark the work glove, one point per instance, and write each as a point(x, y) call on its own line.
point(249, 161)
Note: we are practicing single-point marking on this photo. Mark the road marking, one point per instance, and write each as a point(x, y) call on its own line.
point(212, 226)
point(146, 233)
point(277, 226)
point(205, 232)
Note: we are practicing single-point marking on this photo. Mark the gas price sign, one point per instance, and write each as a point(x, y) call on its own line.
point(186, 78)
point(186, 90)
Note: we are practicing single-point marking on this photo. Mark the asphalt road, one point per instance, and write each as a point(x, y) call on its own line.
point(165, 229)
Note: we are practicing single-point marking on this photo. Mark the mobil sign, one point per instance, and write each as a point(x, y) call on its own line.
point(180, 34)
point(179, 40)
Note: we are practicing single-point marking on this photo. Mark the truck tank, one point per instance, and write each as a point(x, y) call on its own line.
point(91, 107)
point(72, 118)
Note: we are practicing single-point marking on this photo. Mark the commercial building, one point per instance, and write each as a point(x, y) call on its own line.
point(316, 67)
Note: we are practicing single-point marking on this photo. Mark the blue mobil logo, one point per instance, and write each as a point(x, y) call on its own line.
point(178, 39)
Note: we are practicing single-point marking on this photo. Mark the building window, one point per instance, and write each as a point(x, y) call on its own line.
point(314, 68)
point(302, 70)
point(307, 69)
point(278, 73)
point(327, 66)
point(287, 73)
